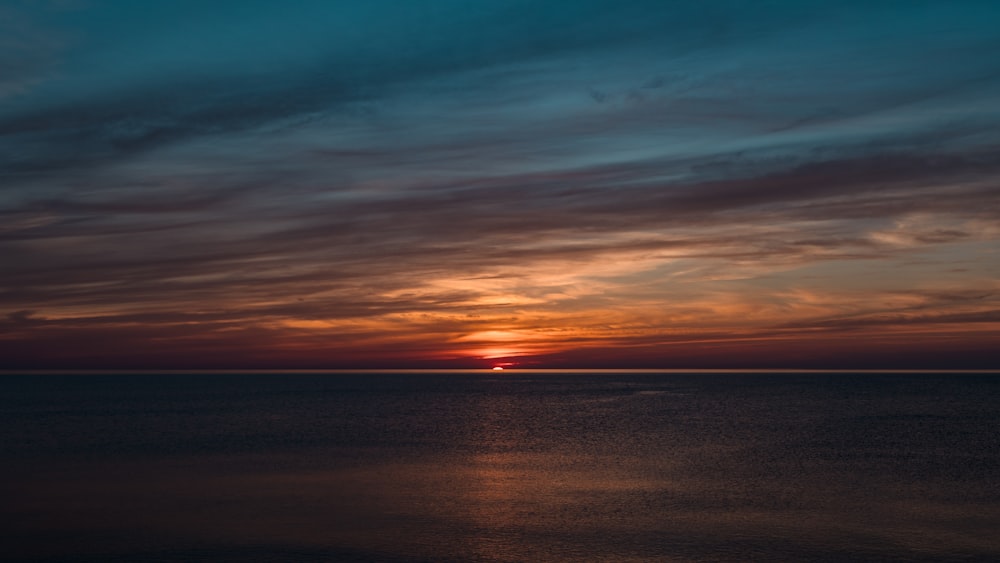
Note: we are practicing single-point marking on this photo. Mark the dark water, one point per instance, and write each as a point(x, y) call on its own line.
point(500, 467)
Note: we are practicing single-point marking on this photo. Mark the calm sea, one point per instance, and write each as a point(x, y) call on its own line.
point(511, 466)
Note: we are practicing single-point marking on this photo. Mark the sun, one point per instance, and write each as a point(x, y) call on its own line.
point(497, 368)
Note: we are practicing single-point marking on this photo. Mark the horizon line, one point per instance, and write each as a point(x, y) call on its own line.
point(415, 371)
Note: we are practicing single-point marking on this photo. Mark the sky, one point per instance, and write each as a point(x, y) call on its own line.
point(392, 184)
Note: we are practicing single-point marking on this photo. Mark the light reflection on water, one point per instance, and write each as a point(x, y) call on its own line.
point(456, 468)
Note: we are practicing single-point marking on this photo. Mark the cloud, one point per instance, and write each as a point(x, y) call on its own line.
point(989, 317)
point(29, 53)
point(268, 179)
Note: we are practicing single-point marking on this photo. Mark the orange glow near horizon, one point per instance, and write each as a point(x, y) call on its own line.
point(750, 317)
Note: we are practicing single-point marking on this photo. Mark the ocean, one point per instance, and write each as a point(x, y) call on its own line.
point(498, 467)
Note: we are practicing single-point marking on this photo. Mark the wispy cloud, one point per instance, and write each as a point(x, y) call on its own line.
point(359, 184)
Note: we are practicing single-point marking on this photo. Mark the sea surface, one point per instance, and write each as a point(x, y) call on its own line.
point(512, 466)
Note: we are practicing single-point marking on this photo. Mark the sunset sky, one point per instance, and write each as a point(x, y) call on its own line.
point(387, 183)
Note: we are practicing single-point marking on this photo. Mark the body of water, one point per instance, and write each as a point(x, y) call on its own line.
point(511, 466)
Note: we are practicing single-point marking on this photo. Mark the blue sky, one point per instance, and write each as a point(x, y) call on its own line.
point(535, 183)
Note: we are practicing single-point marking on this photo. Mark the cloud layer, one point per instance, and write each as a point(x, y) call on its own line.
point(412, 184)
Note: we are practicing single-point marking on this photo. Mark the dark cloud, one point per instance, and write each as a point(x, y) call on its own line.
point(341, 171)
